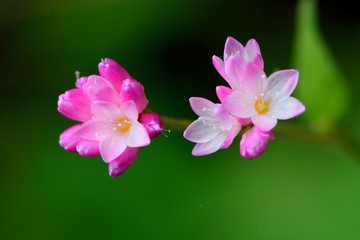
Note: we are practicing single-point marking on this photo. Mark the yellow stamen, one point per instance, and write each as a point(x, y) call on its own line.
point(261, 106)
point(123, 125)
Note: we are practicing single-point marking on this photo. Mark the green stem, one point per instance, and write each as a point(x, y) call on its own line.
point(298, 132)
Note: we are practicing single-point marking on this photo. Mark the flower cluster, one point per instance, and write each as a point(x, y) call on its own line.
point(113, 122)
point(253, 101)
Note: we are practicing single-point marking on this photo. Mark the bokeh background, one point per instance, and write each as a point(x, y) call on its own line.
point(300, 188)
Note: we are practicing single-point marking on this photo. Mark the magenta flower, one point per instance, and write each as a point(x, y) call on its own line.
point(264, 100)
point(214, 129)
point(254, 142)
point(108, 107)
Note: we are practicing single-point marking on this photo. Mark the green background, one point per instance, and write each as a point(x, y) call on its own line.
point(296, 190)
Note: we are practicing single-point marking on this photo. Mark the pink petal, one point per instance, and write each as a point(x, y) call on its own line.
point(220, 67)
point(252, 50)
point(74, 104)
point(137, 136)
point(230, 136)
point(133, 90)
point(202, 106)
point(222, 116)
point(112, 147)
point(90, 130)
point(281, 84)
point(212, 146)
point(263, 122)
point(244, 121)
point(120, 164)
point(233, 47)
point(244, 75)
point(129, 110)
point(253, 143)
point(200, 132)
point(113, 72)
point(259, 61)
point(288, 108)
point(105, 111)
point(222, 92)
point(239, 104)
point(88, 148)
point(69, 140)
point(98, 88)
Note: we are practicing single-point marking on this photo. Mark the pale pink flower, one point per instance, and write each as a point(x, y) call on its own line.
point(214, 129)
point(263, 99)
point(116, 128)
point(254, 142)
point(233, 48)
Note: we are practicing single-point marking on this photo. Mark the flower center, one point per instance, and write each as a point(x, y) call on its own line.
point(123, 125)
point(261, 105)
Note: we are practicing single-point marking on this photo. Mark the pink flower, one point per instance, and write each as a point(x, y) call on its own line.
point(108, 107)
point(254, 142)
point(214, 129)
point(263, 99)
point(233, 48)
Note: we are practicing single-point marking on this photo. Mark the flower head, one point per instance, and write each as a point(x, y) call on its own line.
point(214, 129)
point(108, 107)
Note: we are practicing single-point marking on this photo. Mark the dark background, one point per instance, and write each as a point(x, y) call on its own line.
point(296, 190)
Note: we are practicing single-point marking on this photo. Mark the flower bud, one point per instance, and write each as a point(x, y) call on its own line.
point(113, 72)
point(152, 123)
point(133, 90)
point(254, 142)
point(120, 164)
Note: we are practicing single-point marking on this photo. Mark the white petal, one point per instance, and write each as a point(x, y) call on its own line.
point(200, 131)
point(129, 110)
point(137, 136)
point(287, 108)
point(112, 147)
point(105, 111)
point(263, 122)
point(202, 106)
point(201, 149)
point(240, 104)
point(281, 84)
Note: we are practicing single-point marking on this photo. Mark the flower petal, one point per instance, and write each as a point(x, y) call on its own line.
point(231, 135)
point(129, 110)
point(240, 104)
point(288, 108)
point(212, 146)
point(281, 84)
point(112, 147)
point(200, 132)
point(220, 67)
point(120, 164)
point(244, 75)
point(252, 50)
point(74, 104)
point(222, 92)
point(202, 107)
point(88, 148)
point(69, 140)
point(98, 88)
point(233, 47)
point(264, 122)
point(105, 111)
point(80, 82)
point(133, 90)
point(137, 136)
point(113, 72)
point(90, 129)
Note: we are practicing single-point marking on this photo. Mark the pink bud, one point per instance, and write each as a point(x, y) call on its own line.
point(133, 90)
point(75, 105)
point(113, 72)
point(120, 164)
point(254, 142)
point(81, 81)
point(88, 148)
point(152, 123)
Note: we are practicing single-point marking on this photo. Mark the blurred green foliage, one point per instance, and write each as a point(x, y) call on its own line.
point(295, 190)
